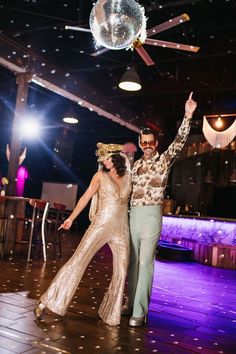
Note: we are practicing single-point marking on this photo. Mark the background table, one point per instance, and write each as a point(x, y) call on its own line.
point(13, 206)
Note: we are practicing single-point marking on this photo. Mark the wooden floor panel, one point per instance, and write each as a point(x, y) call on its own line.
point(192, 310)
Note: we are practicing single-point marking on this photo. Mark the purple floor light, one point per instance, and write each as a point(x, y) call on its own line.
point(201, 230)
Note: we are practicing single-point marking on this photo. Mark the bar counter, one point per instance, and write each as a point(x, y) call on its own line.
point(212, 239)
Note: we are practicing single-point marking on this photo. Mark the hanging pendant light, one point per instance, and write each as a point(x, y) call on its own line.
point(192, 180)
point(192, 177)
point(219, 139)
point(208, 178)
point(178, 182)
point(130, 81)
point(70, 117)
point(232, 177)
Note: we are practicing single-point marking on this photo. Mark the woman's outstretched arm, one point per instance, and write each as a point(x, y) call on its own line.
point(83, 201)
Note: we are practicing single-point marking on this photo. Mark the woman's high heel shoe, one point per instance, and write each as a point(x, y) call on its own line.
point(126, 311)
point(137, 321)
point(38, 311)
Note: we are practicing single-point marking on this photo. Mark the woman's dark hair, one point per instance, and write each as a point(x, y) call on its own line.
point(118, 163)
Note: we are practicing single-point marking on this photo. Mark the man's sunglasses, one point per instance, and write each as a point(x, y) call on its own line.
point(146, 143)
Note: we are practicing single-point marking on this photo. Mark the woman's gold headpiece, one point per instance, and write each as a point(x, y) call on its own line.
point(105, 151)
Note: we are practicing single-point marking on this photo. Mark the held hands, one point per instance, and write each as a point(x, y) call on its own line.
point(190, 106)
point(66, 224)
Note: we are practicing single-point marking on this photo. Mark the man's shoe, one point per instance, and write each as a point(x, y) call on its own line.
point(126, 311)
point(137, 321)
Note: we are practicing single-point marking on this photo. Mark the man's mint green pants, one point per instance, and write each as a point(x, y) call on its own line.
point(145, 229)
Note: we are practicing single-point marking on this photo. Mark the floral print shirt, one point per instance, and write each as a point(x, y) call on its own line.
point(150, 176)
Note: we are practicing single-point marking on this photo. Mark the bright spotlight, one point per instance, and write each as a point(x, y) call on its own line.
point(30, 128)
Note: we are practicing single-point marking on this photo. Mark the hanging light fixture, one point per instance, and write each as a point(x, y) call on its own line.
point(192, 177)
point(70, 117)
point(222, 138)
point(192, 180)
point(178, 182)
point(232, 178)
point(130, 80)
point(209, 178)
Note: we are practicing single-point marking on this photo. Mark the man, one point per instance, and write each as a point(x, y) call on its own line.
point(149, 177)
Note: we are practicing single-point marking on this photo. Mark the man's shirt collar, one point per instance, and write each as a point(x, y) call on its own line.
point(151, 158)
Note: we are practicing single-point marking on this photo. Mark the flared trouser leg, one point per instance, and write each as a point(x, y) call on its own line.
point(110, 308)
point(61, 290)
point(145, 228)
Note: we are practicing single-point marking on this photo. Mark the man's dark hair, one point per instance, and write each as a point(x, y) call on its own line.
point(118, 163)
point(147, 131)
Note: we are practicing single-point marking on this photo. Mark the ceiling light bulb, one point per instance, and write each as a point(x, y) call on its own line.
point(219, 122)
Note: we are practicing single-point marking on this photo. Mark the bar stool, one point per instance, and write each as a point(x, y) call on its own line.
point(3, 224)
point(38, 218)
point(56, 219)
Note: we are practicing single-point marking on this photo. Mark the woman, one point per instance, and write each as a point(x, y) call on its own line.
point(110, 188)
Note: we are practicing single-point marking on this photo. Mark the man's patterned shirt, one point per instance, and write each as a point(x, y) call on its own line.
point(150, 176)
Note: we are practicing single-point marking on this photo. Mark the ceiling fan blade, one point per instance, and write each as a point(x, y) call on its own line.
point(99, 52)
point(172, 45)
point(80, 29)
point(144, 55)
point(168, 24)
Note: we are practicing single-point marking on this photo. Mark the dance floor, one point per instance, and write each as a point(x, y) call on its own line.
point(192, 310)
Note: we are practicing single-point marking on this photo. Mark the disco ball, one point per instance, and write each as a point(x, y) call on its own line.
point(115, 24)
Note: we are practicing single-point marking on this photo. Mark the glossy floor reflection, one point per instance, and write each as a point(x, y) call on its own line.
point(193, 310)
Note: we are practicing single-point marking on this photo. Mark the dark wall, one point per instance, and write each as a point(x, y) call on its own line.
point(205, 182)
point(224, 202)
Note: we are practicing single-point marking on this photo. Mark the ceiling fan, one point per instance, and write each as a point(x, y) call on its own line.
point(138, 44)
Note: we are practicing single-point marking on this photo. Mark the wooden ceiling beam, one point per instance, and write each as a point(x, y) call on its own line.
point(18, 59)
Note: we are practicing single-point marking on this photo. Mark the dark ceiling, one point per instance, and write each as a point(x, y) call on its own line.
point(37, 27)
